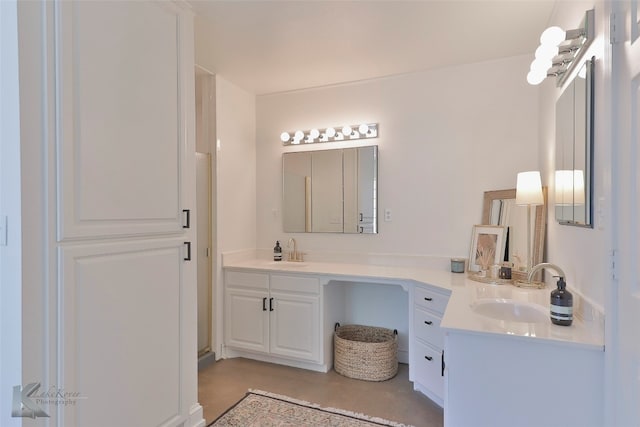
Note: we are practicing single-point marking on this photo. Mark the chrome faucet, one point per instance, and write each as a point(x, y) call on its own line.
point(293, 254)
point(545, 265)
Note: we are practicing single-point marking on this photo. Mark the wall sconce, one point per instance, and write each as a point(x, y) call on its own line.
point(560, 51)
point(529, 194)
point(350, 133)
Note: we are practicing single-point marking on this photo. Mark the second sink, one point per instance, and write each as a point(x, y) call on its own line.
point(511, 310)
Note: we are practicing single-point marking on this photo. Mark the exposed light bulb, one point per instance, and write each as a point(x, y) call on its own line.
point(553, 36)
point(363, 129)
point(314, 133)
point(535, 77)
point(541, 65)
point(285, 137)
point(298, 135)
point(546, 51)
point(330, 132)
point(346, 131)
point(295, 141)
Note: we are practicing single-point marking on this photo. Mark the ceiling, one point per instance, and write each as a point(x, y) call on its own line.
point(274, 46)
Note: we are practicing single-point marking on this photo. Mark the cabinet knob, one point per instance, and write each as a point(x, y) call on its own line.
point(429, 358)
point(428, 322)
point(428, 299)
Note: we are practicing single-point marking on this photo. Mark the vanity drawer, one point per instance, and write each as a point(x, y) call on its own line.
point(430, 299)
point(428, 368)
point(426, 326)
point(247, 280)
point(310, 285)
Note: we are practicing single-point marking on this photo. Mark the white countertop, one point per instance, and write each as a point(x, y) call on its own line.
point(459, 316)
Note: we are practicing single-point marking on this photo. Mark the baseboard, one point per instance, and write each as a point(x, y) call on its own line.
point(196, 417)
point(206, 360)
point(317, 367)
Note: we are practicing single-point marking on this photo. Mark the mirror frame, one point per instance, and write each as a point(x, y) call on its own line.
point(540, 221)
point(587, 146)
point(363, 216)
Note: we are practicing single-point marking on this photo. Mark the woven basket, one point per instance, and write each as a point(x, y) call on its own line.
point(365, 352)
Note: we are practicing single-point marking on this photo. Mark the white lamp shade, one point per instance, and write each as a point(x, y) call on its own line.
point(529, 189)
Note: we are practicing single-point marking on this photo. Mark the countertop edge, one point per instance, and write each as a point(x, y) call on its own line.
point(452, 283)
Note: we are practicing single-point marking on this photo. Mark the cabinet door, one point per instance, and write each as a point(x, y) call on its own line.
point(295, 326)
point(121, 144)
point(119, 302)
point(428, 368)
point(246, 319)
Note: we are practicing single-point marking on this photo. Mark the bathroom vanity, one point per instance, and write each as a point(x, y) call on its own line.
point(478, 367)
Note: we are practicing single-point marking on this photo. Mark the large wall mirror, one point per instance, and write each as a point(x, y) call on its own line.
point(500, 209)
point(330, 191)
point(574, 150)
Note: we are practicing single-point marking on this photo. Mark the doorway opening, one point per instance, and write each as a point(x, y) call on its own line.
point(205, 209)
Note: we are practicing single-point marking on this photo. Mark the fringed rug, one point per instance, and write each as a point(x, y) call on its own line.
point(260, 409)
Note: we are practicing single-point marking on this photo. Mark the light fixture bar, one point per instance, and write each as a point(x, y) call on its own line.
point(561, 51)
point(330, 134)
point(584, 35)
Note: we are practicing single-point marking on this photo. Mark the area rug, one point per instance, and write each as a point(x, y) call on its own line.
point(261, 409)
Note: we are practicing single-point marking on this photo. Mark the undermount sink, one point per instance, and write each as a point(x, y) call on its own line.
point(288, 263)
point(511, 310)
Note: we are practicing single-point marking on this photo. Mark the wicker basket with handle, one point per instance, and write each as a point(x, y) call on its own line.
point(365, 352)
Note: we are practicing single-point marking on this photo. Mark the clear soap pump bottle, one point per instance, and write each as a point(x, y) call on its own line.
point(561, 304)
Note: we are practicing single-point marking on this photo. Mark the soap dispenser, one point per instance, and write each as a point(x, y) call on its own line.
point(277, 252)
point(561, 304)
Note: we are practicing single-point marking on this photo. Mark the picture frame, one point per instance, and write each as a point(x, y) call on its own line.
point(487, 246)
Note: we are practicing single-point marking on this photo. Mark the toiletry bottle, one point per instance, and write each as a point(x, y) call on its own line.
point(561, 304)
point(277, 252)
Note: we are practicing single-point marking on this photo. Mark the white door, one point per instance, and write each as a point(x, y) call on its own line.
point(115, 296)
point(203, 203)
point(625, 344)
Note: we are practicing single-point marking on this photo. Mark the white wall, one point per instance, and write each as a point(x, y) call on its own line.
point(236, 167)
point(234, 182)
point(583, 253)
point(446, 136)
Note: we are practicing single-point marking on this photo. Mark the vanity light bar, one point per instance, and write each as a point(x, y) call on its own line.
point(560, 51)
point(345, 133)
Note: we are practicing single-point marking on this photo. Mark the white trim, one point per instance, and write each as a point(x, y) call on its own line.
point(11, 244)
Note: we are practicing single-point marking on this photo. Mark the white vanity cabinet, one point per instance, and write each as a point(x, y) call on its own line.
point(271, 314)
point(427, 364)
point(497, 380)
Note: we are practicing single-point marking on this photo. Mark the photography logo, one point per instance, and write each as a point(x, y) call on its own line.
point(23, 405)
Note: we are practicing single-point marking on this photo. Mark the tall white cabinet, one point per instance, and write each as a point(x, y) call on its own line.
point(117, 155)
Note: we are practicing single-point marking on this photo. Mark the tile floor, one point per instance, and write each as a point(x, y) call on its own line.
point(223, 383)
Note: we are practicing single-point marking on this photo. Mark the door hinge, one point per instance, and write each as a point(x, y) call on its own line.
point(615, 28)
point(614, 264)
